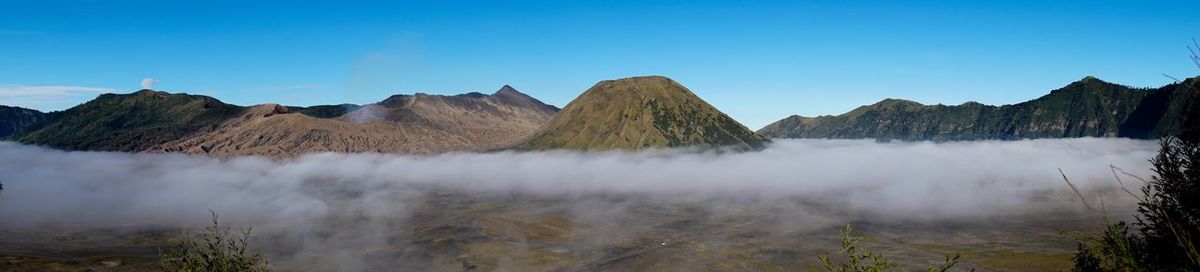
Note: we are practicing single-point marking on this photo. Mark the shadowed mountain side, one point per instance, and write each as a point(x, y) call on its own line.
point(637, 113)
point(325, 111)
point(16, 119)
point(1086, 108)
point(1164, 111)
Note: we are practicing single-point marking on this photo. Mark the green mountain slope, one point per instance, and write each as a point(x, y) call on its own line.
point(1089, 107)
point(1163, 111)
point(17, 119)
point(130, 122)
point(640, 112)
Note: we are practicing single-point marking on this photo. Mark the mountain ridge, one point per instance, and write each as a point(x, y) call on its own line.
point(1089, 107)
point(629, 113)
point(155, 121)
point(17, 119)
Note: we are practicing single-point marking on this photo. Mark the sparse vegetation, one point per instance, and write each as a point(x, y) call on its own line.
point(1168, 221)
point(862, 260)
point(217, 249)
point(128, 122)
point(639, 113)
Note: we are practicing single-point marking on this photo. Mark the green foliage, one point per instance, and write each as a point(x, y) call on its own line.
point(1168, 217)
point(1114, 250)
point(862, 260)
point(1168, 220)
point(15, 119)
point(129, 122)
point(214, 250)
point(1088, 107)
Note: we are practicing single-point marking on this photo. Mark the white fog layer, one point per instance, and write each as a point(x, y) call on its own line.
point(44, 187)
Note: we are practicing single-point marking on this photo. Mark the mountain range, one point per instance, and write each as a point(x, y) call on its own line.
point(1089, 107)
point(630, 113)
point(153, 121)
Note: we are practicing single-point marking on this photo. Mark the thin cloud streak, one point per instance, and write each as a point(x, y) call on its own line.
point(13, 90)
point(48, 97)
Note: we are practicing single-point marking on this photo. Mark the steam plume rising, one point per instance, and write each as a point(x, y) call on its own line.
point(148, 83)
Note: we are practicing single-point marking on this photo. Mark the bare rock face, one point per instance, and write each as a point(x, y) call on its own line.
point(406, 124)
point(640, 112)
point(264, 131)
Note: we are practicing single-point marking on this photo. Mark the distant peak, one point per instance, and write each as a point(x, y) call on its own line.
point(397, 100)
point(650, 78)
point(507, 90)
point(647, 78)
point(1090, 79)
point(270, 109)
point(1087, 83)
point(897, 101)
point(654, 77)
point(148, 93)
point(398, 96)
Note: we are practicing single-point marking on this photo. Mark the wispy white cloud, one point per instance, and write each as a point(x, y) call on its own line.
point(12, 90)
point(47, 97)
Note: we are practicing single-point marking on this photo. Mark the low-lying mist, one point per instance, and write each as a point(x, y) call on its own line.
point(549, 210)
point(923, 181)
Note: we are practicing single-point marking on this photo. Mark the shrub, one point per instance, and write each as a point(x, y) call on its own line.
point(214, 250)
point(1168, 215)
point(861, 260)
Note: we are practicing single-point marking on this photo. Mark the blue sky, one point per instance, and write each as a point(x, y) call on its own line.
point(758, 61)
